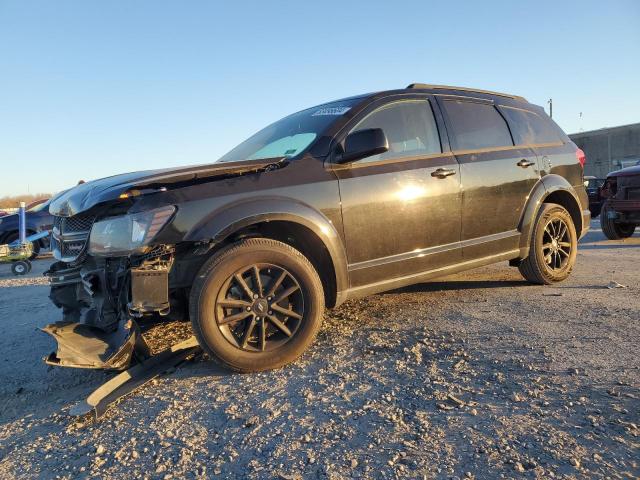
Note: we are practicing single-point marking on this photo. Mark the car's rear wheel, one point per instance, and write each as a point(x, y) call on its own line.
point(553, 248)
point(613, 230)
point(256, 305)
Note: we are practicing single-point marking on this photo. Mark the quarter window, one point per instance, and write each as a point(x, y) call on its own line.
point(530, 128)
point(476, 125)
point(409, 126)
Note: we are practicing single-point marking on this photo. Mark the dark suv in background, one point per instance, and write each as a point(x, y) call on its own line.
point(338, 201)
point(620, 197)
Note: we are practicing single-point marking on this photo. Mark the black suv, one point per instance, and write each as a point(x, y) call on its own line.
point(338, 201)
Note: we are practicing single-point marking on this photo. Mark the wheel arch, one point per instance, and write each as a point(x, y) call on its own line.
point(549, 189)
point(288, 221)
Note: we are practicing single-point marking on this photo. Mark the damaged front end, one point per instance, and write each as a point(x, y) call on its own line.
point(101, 295)
point(100, 298)
point(114, 263)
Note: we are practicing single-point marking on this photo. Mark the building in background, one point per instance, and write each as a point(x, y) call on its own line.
point(609, 149)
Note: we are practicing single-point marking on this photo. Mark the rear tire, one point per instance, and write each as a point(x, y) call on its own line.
point(613, 230)
point(553, 248)
point(256, 305)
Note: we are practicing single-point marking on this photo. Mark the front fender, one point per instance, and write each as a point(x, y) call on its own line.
point(546, 186)
point(230, 218)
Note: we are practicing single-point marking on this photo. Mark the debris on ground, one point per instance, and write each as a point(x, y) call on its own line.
point(474, 376)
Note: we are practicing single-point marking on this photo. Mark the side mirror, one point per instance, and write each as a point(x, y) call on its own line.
point(362, 144)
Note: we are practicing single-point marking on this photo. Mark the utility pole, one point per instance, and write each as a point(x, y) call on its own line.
point(581, 129)
point(550, 102)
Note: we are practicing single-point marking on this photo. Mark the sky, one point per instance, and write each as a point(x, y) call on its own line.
point(94, 88)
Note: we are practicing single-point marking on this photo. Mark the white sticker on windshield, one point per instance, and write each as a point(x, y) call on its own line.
point(331, 111)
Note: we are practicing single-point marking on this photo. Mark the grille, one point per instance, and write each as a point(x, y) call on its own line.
point(70, 235)
point(77, 223)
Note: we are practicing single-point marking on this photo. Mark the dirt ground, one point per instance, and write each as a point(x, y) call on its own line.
point(478, 375)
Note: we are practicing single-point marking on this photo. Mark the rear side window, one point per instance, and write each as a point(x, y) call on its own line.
point(529, 128)
point(476, 125)
point(409, 126)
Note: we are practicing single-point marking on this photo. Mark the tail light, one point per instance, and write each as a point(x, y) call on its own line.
point(581, 157)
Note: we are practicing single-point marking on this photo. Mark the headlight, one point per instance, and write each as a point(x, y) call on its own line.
point(128, 233)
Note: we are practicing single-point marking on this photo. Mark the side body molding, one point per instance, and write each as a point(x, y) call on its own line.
point(230, 218)
point(546, 186)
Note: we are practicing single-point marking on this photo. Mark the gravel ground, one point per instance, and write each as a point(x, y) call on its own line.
point(479, 375)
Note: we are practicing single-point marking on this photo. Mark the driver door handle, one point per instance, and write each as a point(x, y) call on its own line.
point(524, 163)
point(443, 172)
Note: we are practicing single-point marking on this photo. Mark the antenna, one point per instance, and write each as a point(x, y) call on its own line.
point(550, 102)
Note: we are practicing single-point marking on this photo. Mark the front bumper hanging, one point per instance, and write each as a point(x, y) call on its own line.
point(84, 346)
point(99, 301)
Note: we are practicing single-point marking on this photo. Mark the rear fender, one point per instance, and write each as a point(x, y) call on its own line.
point(544, 188)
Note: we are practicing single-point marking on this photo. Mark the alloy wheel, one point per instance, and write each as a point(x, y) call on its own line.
point(556, 244)
point(260, 307)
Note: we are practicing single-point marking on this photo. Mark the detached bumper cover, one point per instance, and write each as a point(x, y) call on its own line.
point(84, 346)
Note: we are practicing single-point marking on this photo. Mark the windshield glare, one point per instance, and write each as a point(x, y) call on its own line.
point(290, 136)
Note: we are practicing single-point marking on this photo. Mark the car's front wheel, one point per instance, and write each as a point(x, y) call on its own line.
point(613, 230)
point(553, 248)
point(256, 305)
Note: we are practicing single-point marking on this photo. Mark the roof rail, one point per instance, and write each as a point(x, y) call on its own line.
point(463, 89)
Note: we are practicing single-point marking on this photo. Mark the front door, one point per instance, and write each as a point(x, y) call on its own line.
point(497, 176)
point(401, 209)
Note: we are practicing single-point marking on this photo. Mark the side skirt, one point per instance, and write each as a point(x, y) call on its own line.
point(394, 283)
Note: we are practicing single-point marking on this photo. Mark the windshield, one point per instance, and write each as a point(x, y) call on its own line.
point(290, 136)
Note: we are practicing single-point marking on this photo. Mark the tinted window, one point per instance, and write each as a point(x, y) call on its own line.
point(409, 126)
point(476, 125)
point(530, 128)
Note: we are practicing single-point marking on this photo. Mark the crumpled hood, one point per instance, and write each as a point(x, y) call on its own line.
point(635, 170)
point(86, 195)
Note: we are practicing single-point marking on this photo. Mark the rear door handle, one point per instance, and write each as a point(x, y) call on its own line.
point(443, 172)
point(524, 163)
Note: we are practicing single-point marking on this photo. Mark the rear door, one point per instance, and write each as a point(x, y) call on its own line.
point(400, 215)
point(496, 176)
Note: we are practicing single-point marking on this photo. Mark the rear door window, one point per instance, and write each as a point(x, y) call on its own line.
point(529, 128)
point(476, 125)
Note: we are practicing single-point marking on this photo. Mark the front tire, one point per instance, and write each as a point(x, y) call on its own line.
point(553, 248)
point(612, 230)
point(256, 305)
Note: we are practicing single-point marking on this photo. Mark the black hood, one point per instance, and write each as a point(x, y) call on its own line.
point(89, 194)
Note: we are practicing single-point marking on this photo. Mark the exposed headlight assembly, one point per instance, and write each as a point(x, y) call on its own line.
point(120, 236)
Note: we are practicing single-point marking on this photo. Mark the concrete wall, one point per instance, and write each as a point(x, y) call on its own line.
point(609, 149)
